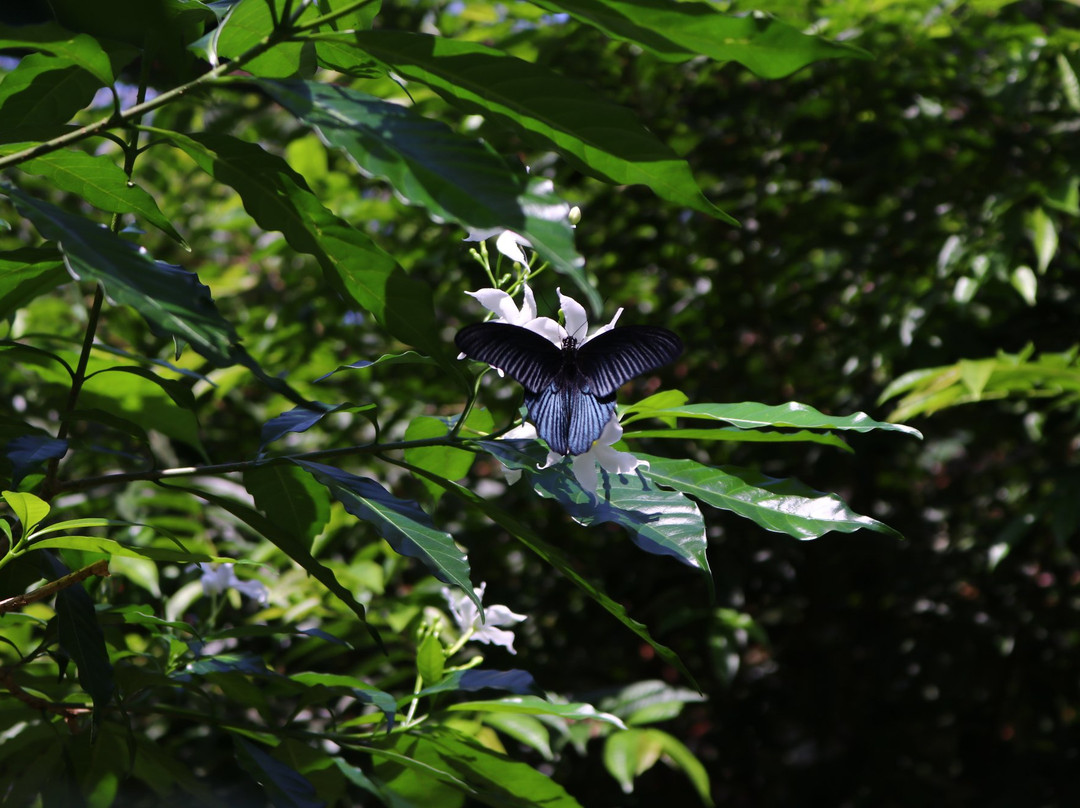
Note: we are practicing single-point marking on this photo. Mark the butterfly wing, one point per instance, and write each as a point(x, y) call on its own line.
point(568, 418)
point(615, 357)
point(523, 355)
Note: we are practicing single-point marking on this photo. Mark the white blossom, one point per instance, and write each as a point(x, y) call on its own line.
point(467, 617)
point(611, 460)
point(217, 578)
point(507, 242)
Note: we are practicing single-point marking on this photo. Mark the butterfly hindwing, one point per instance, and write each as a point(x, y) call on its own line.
point(567, 418)
point(523, 355)
point(613, 358)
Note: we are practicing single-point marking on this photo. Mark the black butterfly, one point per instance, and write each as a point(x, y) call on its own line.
point(569, 393)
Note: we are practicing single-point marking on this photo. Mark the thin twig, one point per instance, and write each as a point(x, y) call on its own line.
point(99, 568)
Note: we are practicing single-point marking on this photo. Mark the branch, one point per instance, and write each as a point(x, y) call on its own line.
point(98, 568)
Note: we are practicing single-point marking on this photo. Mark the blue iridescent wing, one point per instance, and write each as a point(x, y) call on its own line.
point(567, 418)
point(523, 355)
point(615, 357)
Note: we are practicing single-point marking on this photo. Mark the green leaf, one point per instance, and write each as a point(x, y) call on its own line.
point(99, 181)
point(514, 681)
point(551, 555)
point(629, 754)
point(778, 505)
point(680, 31)
point(534, 705)
point(361, 690)
point(453, 177)
point(649, 701)
point(522, 728)
point(604, 138)
point(28, 452)
point(28, 509)
point(454, 758)
point(168, 297)
point(27, 273)
point(1044, 238)
point(446, 461)
point(400, 522)
point(247, 24)
point(406, 358)
point(751, 415)
point(675, 753)
point(41, 94)
point(1023, 280)
point(109, 547)
point(430, 659)
point(285, 787)
point(301, 419)
point(289, 498)
point(741, 436)
point(80, 49)
point(279, 199)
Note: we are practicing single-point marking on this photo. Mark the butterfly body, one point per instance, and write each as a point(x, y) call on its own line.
point(569, 392)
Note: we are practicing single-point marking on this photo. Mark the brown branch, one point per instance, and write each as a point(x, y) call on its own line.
point(99, 568)
point(70, 712)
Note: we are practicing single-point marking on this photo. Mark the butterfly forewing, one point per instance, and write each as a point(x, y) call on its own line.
point(613, 358)
point(521, 354)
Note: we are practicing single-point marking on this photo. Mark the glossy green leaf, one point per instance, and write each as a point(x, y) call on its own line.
point(553, 556)
point(402, 523)
point(41, 94)
point(751, 415)
point(658, 521)
point(524, 729)
point(301, 419)
point(735, 434)
point(678, 755)
point(171, 299)
point(96, 544)
point(778, 505)
point(534, 705)
point(279, 199)
point(430, 659)
point(446, 461)
point(28, 509)
point(81, 49)
point(247, 24)
point(604, 138)
point(629, 754)
point(427, 163)
point(289, 498)
point(101, 182)
point(25, 274)
point(649, 701)
point(680, 31)
point(492, 778)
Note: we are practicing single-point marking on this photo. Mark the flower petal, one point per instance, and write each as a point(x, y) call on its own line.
point(497, 301)
point(548, 329)
point(507, 243)
point(584, 468)
point(499, 615)
point(604, 328)
point(577, 322)
point(496, 636)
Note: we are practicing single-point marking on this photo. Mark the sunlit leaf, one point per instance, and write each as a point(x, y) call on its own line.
point(535, 705)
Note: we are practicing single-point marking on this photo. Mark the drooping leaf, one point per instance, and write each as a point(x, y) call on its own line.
point(778, 505)
point(289, 498)
point(680, 31)
point(604, 138)
point(29, 452)
point(406, 358)
point(279, 199)
point(401, 522)
point(41, 94)
point(101, 182)
point(301, 419)
point(428, 164)
point(535, 705)
point(25, 274)
point(171, 299)
point(285, 787)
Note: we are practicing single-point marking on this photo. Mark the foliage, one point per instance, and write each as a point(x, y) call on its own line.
point(232, 597)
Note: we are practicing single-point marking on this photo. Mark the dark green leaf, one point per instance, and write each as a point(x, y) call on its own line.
point(28, 452)
point(361, 690)
point(168, 297)
point(96, 544)
point(402, 523)
point(98, 180)
point(42, 93)
point(514, 681)
point(279, 199)
point(455, 178)
point(81, 637)
point(25, 274)
point(603, 138)
point(406, 358)
point(289, 498)
point(681, 31)
point(81, 49)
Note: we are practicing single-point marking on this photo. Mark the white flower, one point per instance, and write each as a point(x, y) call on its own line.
point(467, 617)
point(524, 432)
point(611, 460)
point(507, 242)
point(217, 578)
point(577, 323)
point(501, 304)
